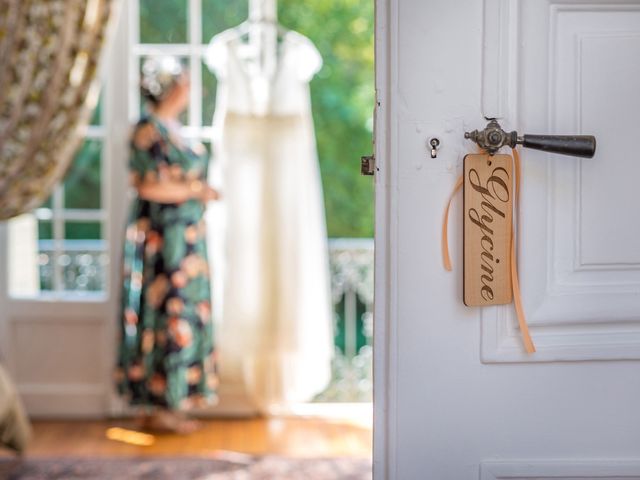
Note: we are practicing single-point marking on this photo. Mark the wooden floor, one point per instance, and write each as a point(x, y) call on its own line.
point(291, 436)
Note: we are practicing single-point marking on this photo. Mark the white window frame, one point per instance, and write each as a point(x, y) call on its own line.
point(58, 215)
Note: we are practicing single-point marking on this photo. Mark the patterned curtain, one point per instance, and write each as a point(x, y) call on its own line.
point(49, 54)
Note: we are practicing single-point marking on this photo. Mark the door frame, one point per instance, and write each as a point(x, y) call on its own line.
point(385, 285)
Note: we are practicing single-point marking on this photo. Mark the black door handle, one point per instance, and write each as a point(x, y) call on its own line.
point(493, 137)
point(575, 145)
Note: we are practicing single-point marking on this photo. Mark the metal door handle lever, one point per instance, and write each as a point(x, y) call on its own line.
point(493, 137)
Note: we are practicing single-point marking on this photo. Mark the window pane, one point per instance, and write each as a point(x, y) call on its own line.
point(45, 255)
point(163, 21)
point(82, 188)
point(83, 262)
point(218, 16)
point(207, 145)
point(96, 116)
point(82, 230)
point(45, 230)
point(209, 86)
point(45, 269)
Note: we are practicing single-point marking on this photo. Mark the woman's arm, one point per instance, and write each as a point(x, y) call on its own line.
point(146, 162)
point(176, 191)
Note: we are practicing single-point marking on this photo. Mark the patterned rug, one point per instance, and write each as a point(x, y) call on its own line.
point(221, 467)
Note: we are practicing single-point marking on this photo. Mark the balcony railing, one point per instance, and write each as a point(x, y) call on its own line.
point(81, 267)
point(351, 262)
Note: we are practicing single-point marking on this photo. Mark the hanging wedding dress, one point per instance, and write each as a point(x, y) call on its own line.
point(276, 321)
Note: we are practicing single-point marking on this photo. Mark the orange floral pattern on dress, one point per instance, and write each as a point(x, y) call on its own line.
point(166, 355)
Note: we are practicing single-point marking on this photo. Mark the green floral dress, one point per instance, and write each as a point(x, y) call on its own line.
point(166, 356)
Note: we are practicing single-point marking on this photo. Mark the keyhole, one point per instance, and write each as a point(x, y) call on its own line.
point(434, 142)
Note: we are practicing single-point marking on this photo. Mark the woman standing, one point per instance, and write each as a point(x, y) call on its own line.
point(166, 359)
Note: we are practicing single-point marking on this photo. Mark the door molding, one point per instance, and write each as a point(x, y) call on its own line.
point(574, 469)
point(575, 310)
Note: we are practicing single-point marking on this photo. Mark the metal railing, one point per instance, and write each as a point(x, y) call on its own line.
point(351, 262)
point(82, 265)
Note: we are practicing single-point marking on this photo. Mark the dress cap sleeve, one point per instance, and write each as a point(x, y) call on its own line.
point(216, 55)
point(307, 57)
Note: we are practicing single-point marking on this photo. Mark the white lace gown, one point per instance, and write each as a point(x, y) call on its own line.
point(275, 334)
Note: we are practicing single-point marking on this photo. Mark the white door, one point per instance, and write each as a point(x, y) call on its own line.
point(457, 397)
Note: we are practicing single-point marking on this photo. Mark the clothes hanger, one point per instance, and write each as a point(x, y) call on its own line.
point(245, 29)
point(256, 37)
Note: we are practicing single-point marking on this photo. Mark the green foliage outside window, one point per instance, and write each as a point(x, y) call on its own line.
point(342, 92)
point(164, 21)
point(82, 186)
point(343, 98)
point(82, 190)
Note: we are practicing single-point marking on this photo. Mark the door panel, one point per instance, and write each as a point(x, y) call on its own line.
point(568, 470)
point(58, 359)
point(579, 250)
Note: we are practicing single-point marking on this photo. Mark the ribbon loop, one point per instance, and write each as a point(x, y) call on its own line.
point(515, 283)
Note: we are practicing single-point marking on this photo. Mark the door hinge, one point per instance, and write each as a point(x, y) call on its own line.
point(368, 165)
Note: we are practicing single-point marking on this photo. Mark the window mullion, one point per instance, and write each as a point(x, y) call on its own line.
point(175, 49)
point(95, 132)
point(105, 179)
point(133, 74)
point(58, 236)
point(84, 215)
point(195, 72)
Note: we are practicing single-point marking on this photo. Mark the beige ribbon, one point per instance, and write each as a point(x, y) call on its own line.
point(515, 283)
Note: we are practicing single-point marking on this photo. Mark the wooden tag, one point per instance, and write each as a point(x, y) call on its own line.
point(488, 211)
